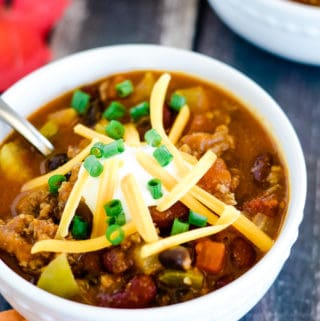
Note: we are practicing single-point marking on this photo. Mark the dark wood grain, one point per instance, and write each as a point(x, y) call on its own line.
point(295, 296)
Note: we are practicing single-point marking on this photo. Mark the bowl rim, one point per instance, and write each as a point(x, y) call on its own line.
point(284, 240)
point(297, 8)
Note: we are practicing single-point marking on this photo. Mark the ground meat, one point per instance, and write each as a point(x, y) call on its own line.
point(19, 234)
point(103, 90)
point(138, 293)
point(38, 203)
point(73, 151)
point(209, 121)
point(116, 261)
point(64, 192)
point(198, 143)
point(201, 123)
point(242, 253)
point(164, 219)
point(131, 241)
point(111, 283)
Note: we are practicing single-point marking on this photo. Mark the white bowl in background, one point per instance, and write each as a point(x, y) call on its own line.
point(288, 29)
point(226, 304)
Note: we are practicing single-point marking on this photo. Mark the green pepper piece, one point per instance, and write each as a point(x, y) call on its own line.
point(57, 278)
point(181, 279)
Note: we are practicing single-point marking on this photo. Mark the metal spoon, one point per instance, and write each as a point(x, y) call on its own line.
point(25, 128)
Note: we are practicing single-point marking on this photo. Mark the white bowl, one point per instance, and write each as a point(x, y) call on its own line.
point(226, 304)
point(288, 29)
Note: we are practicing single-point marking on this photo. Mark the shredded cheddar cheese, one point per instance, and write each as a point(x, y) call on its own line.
point(157, 99)
point(81, 246)
point(229, 216)
point(179, 124)
point(138, 210)
point(187, 182)
point(169, 182)
point(189, 158)
point(196, 195)
point(108, 182)
point(180, 186)
point(90, 134)
point(131, 135)
point(71, 205)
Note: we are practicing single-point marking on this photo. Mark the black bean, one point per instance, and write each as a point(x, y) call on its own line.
point(176, 258)
point(262, 167)
point(56, 161)
point(93, 114)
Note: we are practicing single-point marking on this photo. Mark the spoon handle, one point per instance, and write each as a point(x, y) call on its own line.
point(25, 128)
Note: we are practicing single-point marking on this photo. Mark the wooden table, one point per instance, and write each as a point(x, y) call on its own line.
point(191, 24)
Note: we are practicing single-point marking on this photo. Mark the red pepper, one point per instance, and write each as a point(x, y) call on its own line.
point(23, 30)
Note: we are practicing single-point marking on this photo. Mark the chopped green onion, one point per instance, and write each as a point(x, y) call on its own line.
point(177, 102)
point(115, 111)
point(113, 208)
point(162, 155)
point(115, 129)
point(197, 219)
point(152, 137)
point(97, 150)
point(93, 166)
point(120, 219)
point(115, 234)
point(140, 110)
point(179, 227)
point(124, 88)
point(80, 228)
point(113, 148)
point(155, 188)
point(111, 220)
point(80, 101)
point(54, 183)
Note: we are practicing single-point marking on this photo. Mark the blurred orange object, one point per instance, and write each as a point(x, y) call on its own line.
point(11, 315)
point(24, 26)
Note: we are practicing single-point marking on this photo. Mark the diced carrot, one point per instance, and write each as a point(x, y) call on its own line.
point(210, 255)
point(11, 315)
point(218, 173)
